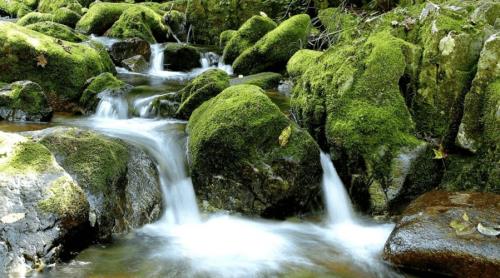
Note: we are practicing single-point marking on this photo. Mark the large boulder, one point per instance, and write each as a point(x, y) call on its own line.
point(44, 213)
point(449, 234)
point(273, 51)
point(57, 30)
point(247, 156)
point(181, 57)
point(140, 22)
point(265, 80)
point(202, 88)
point(100, 17)
point(24, 101)
point(119, 180)
point(49, 6)
point(128, 48)
point(248, 34)
point(60, 67)
point(103, 85)
point(14, 8)
point(34, 17)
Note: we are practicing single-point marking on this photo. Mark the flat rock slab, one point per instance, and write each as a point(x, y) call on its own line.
point(439, 233)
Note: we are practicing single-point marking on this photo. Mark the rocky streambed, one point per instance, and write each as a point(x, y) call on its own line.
point(168, 138)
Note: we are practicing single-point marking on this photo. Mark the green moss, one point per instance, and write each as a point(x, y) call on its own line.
point(66, 199)
point(48, 6)
point(66, 16)
point(94, 160)
point(28, 157)
point(175, 20)
point(225, 36)
point(301, 61)
point(202, 88)
point(61, 68)
point(273, 51)
point(140, 22)
point(339, 25)
point(265, 80)
point(100, 17)
point(28, 97)
point(34, 17)
point(248, 34)
point(57, 30)
point(14, 8)
point(102, 82)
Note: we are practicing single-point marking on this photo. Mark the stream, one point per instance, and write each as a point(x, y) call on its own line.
point(187, 243)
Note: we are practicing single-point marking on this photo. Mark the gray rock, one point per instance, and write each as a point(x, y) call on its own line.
point(125, 49)
point(24, 101)
point(136, 64)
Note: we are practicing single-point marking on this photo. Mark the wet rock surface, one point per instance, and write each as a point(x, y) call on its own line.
point(128, 48)
point(439, 232)
point(24, 101)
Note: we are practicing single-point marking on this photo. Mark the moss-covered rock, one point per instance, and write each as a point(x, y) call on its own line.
point(14, 8)
point(34, 17)
point(104, 84)
point(181, 57)
point(66, 199)
point(177, 22)
point(60, 67)
point(136, 64)
point(339, 25)
point(202, 88)
point(66, 16)
point(265, 80)
point(301, 61)
point(49, 6)
point(225, 37)
point(140, 22)
point(100, 17)
point(57, 30)
point(249, 157)
point(273, 51)
point(248, 34)
point(24, 101)
point(125, 49)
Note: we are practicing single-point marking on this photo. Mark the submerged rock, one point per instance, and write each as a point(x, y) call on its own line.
point(181, 57)
point(128, 48)
point(248, 34)
point(265, 80)
point(104, 84)
point(61, 68)
point(442, 232)
point(204, 87)
point(273, 51)
point(24, 101)
point(247, 156)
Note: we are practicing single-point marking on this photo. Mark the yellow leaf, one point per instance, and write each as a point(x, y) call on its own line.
point(285, 135)
point(41, 61)
point(465, 217)
point(440, 153)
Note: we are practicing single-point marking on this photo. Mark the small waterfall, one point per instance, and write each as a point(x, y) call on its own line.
point(337, 200)
point(111, 107)
point(156, 59)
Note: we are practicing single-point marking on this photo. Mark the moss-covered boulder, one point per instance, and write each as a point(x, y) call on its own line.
point(14, 8)
point(265, 80)
point(301, 61)
point(34, 17)
point(247, 156)
point(202, 88)
point(181, 57)
point(273, 51)
point(60, 67)
point(24, 101)
point(43, 209)
point(66, 16)
point(57, 30)
point(100, 17)
point(225, 37)
point(100, 86)
point(49, 6)
point(125, 49)
point(140, 22)
point(111, 173)
point(248, 34)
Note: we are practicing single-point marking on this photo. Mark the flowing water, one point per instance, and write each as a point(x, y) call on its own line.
point(185, 243)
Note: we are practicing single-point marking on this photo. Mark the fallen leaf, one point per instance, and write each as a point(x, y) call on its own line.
point(285, 135)
point(465, 217)
point(41, 61)
point(440, 153)
point(487, 231)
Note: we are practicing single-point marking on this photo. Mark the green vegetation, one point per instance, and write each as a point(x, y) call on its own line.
point(301, 61)
point(100, 17)
point(28, 157)
point(57, 30)
point(102, 82)
point(66, 199)
point(265, 80)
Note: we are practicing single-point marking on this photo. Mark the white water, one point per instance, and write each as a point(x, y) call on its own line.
point(218, 245)
point(207, 61)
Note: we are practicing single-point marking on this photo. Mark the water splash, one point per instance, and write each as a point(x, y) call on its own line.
point(112, 107)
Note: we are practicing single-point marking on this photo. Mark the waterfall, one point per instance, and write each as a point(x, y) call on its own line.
point(338, 204)
point(111, 107)
point(156, 59)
